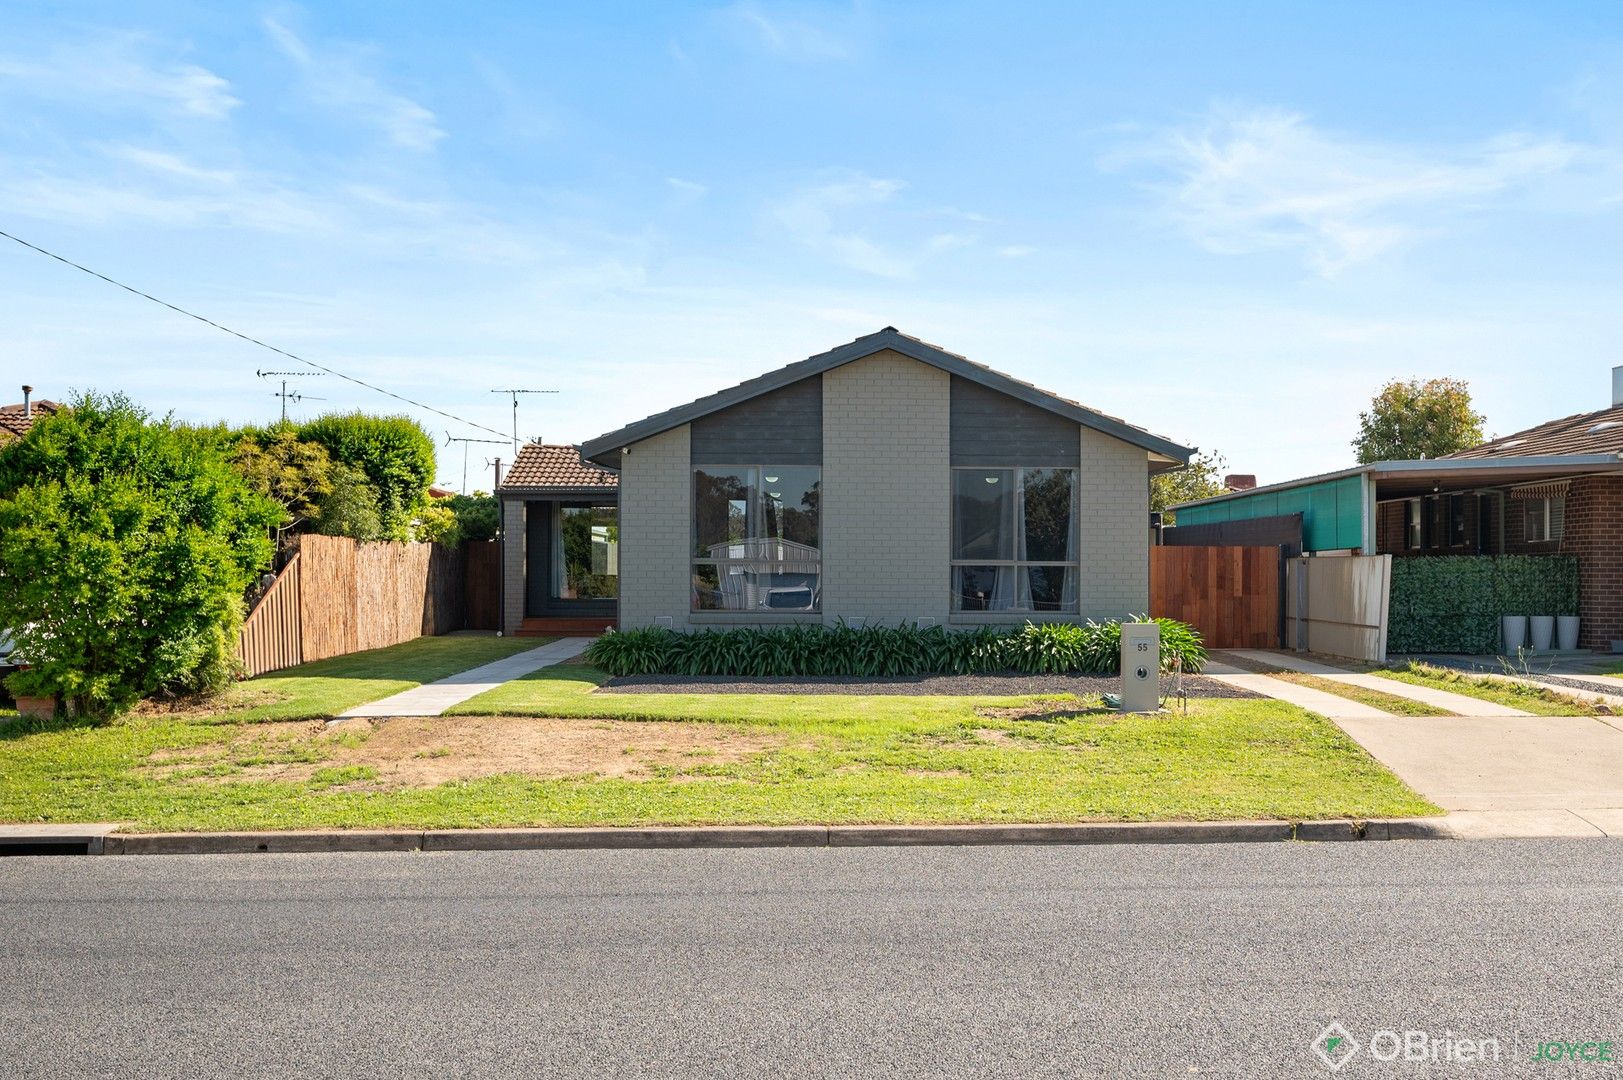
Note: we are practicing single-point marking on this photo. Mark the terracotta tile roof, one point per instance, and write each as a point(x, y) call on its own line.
point(542, 466)
point(13, 422)
point(1586, 433)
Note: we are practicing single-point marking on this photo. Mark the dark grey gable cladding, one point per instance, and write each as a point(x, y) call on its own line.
point(780, 427)
point(992, 428)
point(605, 449)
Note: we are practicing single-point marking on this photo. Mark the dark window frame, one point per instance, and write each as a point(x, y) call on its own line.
point(1020, 566)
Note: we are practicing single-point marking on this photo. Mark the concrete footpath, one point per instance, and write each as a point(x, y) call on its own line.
point(432, 699)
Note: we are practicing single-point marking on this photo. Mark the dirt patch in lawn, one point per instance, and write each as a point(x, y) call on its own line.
point(1051, 711)
point(405, 752)
point(186, 708)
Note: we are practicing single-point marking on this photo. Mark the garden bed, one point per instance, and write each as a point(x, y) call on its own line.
point(1004, 684)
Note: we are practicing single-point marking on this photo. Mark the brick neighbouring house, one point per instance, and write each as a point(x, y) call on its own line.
point(1553, 489)
point(886, 480)
point(15, 420)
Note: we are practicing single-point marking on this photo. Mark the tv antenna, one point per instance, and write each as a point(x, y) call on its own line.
point(284, 393)
point(449, 439)
point(515, 394)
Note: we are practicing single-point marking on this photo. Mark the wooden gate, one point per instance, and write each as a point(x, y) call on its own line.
point(273, 636)
point(481, 590)
point(1230, 594)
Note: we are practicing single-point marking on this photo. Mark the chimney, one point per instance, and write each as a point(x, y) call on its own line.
point(1235, 481)
point(1617, 385)
point(28, 399)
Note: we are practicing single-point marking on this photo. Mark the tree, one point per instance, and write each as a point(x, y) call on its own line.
point(1200, 479)
point(436, 524)
point(126, 547)
point(395, 454)
point(350, 507)
point(477, 515)
point(1411, 419)
point(294, 474)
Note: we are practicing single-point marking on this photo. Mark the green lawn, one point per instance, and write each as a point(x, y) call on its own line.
point(328, 687)
point(771, 759)
point(1392, 703)
point(1534, 699)
point(1613, 667)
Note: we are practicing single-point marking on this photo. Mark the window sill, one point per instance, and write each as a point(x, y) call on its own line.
point(998, 618)
point(756, 616)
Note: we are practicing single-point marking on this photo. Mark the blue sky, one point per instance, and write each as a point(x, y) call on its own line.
point(1227, 223)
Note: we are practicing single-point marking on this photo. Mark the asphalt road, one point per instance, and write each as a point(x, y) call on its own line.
point(944, 962)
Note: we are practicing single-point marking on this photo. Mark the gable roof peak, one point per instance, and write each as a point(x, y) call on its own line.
point(609, 445)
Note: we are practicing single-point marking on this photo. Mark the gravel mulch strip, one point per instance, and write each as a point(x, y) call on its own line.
point(1006, 685)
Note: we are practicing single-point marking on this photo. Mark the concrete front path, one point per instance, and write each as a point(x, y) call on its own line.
point(1331, 705)
point(432, 699)
point(1441, 700)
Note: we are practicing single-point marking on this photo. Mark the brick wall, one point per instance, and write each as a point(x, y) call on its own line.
point(886, 490)
point(513, 545)
point(1594, 533)
point(656, 493)
point(1114, 542)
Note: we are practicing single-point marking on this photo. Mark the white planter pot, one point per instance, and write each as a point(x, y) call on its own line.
point(1514, 628)
point(1566, 632)
point(1543, 634)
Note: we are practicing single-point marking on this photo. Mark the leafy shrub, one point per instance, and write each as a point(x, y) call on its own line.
point(395, 454)
point(436, 524)
point(350, 507)
point(883, 651)
point(126, 546)
point(477, 515)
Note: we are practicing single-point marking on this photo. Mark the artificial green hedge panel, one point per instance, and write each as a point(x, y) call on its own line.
point(1452, 603)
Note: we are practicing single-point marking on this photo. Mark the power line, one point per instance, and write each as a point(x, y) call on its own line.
point(245, 337)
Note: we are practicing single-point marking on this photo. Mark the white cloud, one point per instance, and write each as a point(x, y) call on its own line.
point(334, 76)
point(842, 216)
point(686, 190)
point(799, 34)
point(118, 73)
point(1270, 180)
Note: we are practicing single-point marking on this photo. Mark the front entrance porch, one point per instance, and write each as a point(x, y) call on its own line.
point(560, 544)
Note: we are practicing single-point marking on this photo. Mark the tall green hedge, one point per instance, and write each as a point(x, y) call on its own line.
point(395, 454)
point(1452, 603)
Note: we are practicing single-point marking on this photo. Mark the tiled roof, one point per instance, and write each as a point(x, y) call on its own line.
point(1586, 433)
point(13, 422)
point(541, 466)
point(907, 345)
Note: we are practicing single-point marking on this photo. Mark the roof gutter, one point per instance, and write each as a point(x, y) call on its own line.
point(1377, 469)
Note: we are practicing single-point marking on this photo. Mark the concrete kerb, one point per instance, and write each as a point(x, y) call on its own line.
point(562, 839)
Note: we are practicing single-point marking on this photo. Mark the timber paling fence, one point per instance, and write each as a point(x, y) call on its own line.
point(337, 596)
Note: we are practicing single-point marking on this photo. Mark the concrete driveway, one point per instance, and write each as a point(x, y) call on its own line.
point(1499, 762)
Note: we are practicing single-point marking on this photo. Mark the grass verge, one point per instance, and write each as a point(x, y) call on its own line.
point(1539, 700)
point(774, 760)
point(1392, 703)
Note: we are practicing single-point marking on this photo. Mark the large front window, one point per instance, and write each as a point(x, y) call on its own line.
point(755, 538)
point(587, 556)
point(1014, 540)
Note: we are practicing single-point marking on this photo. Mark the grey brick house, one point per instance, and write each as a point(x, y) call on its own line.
point(886, 480)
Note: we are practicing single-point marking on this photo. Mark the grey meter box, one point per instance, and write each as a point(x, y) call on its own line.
point(1140, 667)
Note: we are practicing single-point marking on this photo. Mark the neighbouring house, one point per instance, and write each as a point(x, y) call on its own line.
point(560, 543)
point(886, 480)
point(15, 420)
point(1554, 489)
